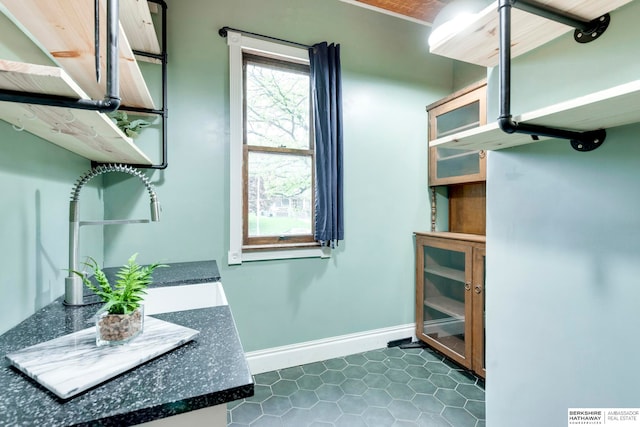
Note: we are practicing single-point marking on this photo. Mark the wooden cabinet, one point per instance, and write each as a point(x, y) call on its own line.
point(450, 296)
point(463, 110)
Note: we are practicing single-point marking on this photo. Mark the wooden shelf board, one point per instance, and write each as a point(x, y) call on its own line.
point(478, 43)
point(605, 109)
point(42, 79)
point(91, 134)
point(442, 271)
point(446, 305)
point(136, 21)
point(88, 133)
point(476, 238)
point(68, 37)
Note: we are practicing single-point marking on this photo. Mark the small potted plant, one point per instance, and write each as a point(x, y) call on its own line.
point(130, 127)
point(122, 317)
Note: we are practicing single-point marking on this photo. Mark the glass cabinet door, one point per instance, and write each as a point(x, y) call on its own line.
point(467, 116)
point(446, 314)
point(451, 164)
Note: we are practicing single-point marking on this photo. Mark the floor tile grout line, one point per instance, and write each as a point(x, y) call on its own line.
point(397, 361)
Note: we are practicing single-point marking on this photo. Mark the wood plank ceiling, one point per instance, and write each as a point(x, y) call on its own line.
point(422, 10)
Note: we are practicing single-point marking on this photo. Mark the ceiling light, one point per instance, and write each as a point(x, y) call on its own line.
point(454, 17)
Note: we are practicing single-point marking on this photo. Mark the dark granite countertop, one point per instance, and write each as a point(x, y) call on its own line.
point(179, 273)
point(207, 371)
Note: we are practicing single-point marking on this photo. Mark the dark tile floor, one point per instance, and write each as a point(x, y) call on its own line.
point(387, 387)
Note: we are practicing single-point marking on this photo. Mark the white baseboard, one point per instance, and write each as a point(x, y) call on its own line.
point(275, 358)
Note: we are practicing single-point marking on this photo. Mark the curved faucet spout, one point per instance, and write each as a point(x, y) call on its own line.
point(73, 284)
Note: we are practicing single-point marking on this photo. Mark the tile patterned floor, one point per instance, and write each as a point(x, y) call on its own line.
point(387, 388)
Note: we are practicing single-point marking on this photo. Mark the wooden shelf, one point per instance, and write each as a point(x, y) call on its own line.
point(65, 29)
point(135, 18)
point(88, 133)
point(476, 238)
point(446, 305)
point(605, 109)
point(449, 273)
point(478, 43)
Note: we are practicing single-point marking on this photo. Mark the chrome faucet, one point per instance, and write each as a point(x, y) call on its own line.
point(73, 292)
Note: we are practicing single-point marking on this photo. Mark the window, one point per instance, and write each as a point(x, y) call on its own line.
point(277, 154)
point(271, 194)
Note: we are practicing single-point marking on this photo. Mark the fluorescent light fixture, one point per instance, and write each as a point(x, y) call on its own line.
point(453, 17)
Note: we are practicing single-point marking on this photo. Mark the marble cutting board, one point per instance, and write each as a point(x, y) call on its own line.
point(71, 364)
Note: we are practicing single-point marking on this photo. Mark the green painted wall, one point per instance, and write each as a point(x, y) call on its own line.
point(36, 178)
point(465, 74)
point(562, 246)
point(388, 79)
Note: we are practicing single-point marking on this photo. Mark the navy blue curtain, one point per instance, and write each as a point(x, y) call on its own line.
point(327, 110)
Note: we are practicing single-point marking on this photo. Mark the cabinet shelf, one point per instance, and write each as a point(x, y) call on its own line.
point(478, 42)
point(446, 305)
point(605, 109)
point(88, 133)
point(447, 272)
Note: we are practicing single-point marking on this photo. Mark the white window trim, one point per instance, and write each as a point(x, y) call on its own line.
point(238, 44)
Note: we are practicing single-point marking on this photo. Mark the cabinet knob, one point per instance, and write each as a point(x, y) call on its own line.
point(478, 289)
point(467, 286)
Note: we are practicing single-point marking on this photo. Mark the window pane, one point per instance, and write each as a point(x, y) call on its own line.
point(277, 106)
point(279, 195)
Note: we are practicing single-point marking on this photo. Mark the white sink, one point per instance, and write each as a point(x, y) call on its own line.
point(167, 299)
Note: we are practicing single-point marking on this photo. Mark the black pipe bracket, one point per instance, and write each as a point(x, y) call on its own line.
point(597, 27)
point(590, 140)
point(585, 32)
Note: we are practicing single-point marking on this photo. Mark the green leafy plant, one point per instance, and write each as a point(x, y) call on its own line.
point(130, 286)
point(131, 128)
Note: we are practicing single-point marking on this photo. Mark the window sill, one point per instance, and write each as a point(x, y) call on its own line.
point(276, 252)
